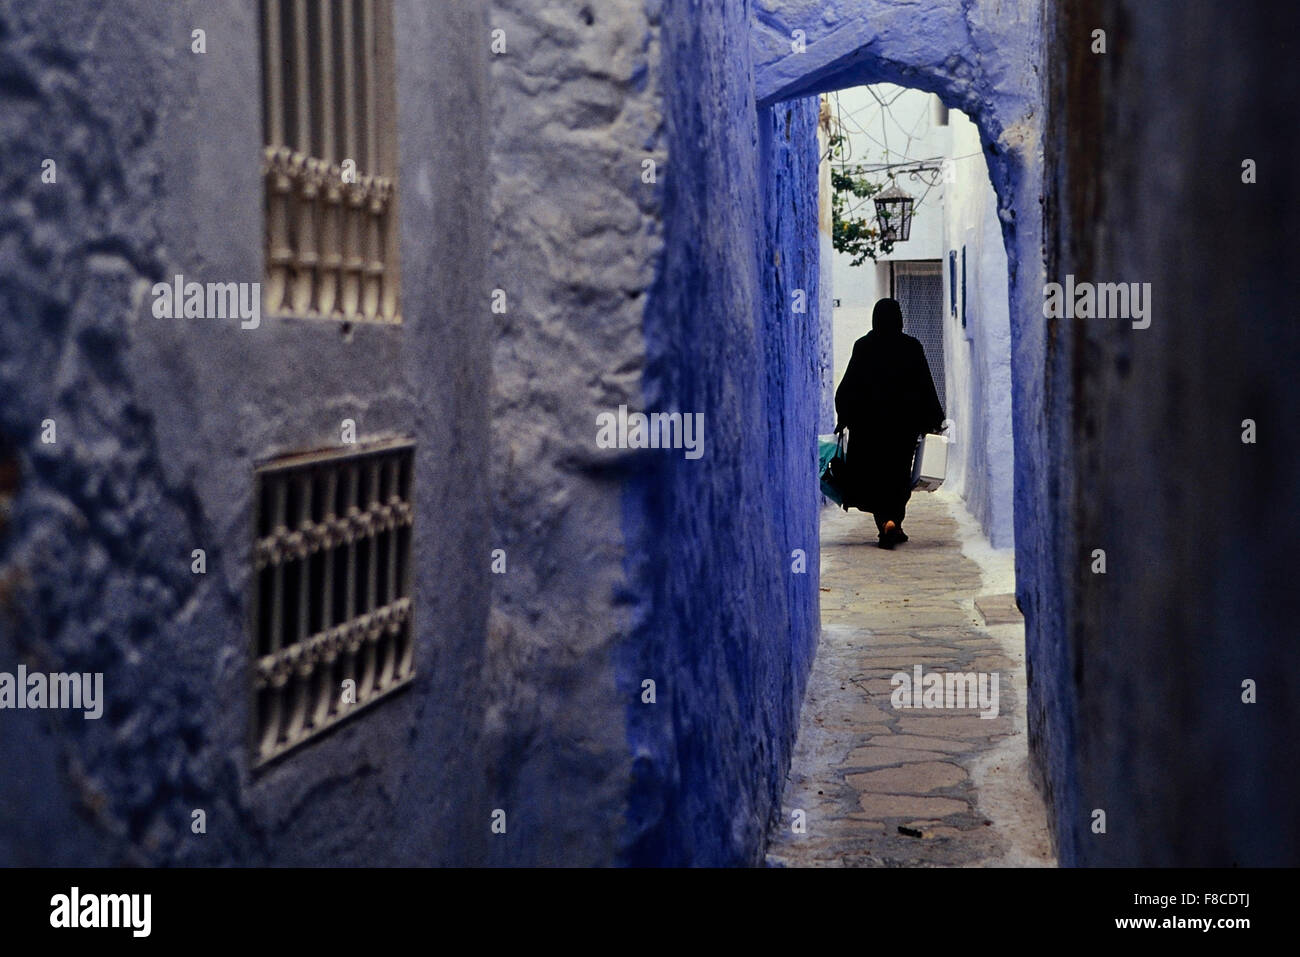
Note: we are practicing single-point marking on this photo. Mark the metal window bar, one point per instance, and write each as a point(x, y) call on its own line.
point(313, 632)
point(963, 287)
point(329, 103)
point(952, 282)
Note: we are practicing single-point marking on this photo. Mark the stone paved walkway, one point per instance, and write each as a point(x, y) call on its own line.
point(955, 782)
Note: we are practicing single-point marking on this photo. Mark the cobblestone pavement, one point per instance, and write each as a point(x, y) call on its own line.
point(955, 783)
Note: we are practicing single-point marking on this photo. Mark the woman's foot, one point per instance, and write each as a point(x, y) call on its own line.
point(891, 533)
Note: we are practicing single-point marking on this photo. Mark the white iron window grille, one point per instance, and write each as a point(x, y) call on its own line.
point(331, 611)
point(329, 107)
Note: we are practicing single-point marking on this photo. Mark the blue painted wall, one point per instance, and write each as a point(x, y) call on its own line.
point(1143, 710)
point(719, 619)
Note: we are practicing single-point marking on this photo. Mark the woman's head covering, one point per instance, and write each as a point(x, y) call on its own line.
point(887, 316)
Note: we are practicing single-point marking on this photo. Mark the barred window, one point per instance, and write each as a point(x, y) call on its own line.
point(332, 607)
point(329, 107)
point(920, 292)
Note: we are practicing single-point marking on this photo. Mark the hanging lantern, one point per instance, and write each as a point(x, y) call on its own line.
point(894, 214)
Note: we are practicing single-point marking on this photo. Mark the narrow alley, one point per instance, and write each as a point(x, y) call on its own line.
point(934, 787)
point(418, 421)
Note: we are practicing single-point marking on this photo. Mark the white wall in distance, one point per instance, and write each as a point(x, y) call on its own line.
point(977, 359)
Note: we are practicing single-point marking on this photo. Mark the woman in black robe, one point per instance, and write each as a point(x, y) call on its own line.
point(886, 400)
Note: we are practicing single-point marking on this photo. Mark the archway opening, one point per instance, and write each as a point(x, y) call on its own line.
point(893, 766)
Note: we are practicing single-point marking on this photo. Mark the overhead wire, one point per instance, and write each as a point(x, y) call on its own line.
point(847, 123)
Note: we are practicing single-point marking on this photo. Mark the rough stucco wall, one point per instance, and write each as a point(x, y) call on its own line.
point(576, 101)
point(160, 423)
point(825, 293)
point(1199, 528)
point(977, 358)
point(624, 565)
point(788, 153)
point(724, 626)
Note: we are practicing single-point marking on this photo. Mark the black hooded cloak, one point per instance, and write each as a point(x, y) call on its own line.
point(886, 400)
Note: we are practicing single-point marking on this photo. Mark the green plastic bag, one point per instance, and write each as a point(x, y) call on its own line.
point(831, 455)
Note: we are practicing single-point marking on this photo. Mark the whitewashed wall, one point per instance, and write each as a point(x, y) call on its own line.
point(977, 358)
